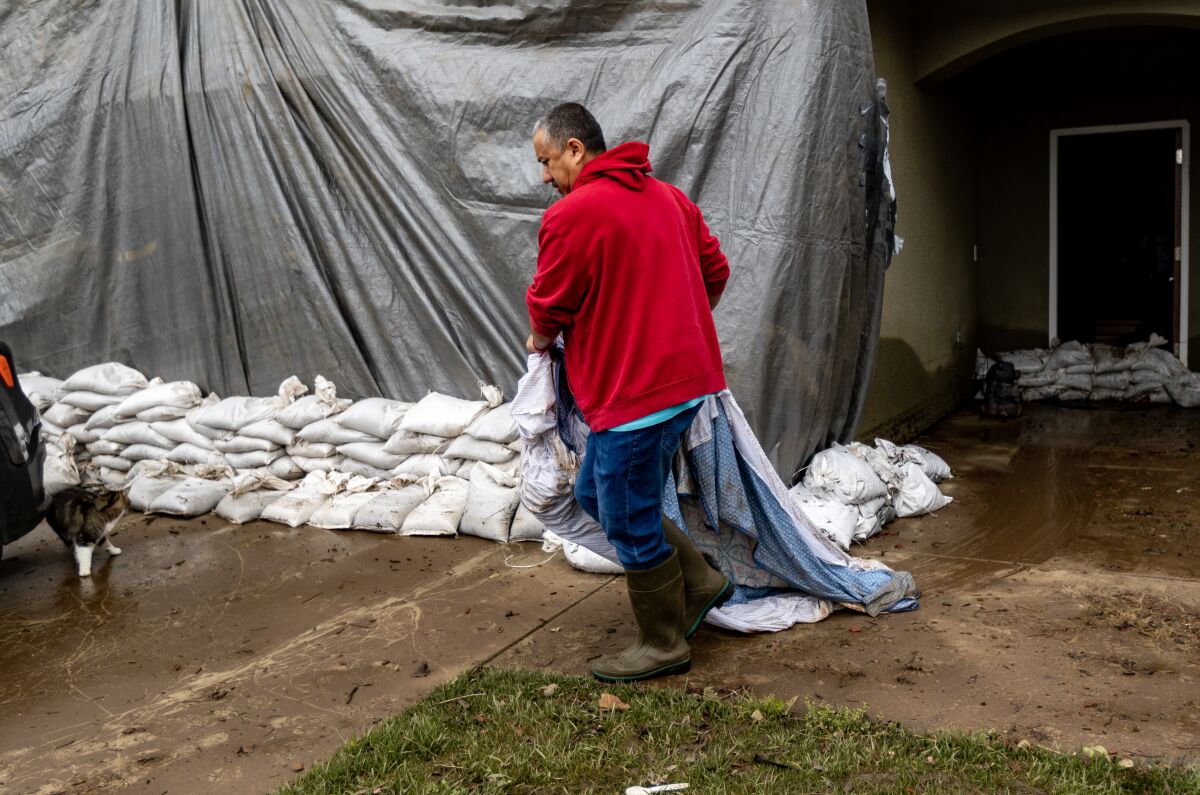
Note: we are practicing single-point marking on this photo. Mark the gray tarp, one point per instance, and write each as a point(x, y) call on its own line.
point(234, 191)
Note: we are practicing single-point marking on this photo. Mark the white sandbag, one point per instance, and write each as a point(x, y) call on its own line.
point(64, 415)
point(441, 513)
point(145, 489)
point(42, 390)
point(113, 462)
point(286, 469)
point(349, 465)
point(512, 467)
point(294, 508)
point(1147, 377)
point(466, 469)
point(111, 378)
point(254, 459)
point(329, 432)
point(105, 418)
point(387, 512)
point(271, 431)
point(371, 453)
point(1076, 381)
point(473, 449)
point(60, 470)
point(146, 452)
point(1185, 390)
point(1160, 362)
point(1111, 359)
point(191, 497)
point(102, 447)
point(405, 443)
point(932, 464)
point(423, 465)
point(1074, 394)
point(1099, 393)
point(442, 415)
point(193, 454)
point(492, 500)
point(322, 403)
point(525, 526)
point(1118, 380)
point(50, 430)
point(244, 444)
point(174, 394)
point(113, 479)
point(833, 518)
point(1041, 393)
point(327, 464)
point(161, 414)
point(871, 517)
point(1069, 354)
point(235, 413)
point(339, 512)
point(311, 449)
point(136, 433)
point(89, 401)
point(1030, 361)
point(516, 445)
point(242, 508)
point(379, 417)
point(843, 475)
point(1041, 378)
point(1136, 391)
point(496, 425)
point(82, 435)
point(918, 494)
point(580, 557)
point(180, 432)
point(880, 462)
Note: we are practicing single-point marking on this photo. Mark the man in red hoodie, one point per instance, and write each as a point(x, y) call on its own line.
point(629, 274)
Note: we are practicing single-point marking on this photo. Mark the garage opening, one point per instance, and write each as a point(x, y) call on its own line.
point(1117, 239)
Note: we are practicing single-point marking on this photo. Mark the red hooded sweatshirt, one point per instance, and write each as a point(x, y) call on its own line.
point(625, 270)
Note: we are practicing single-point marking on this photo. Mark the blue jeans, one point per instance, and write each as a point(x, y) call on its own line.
point(620, 485)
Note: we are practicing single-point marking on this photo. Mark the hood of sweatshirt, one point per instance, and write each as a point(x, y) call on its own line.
point(627, 163)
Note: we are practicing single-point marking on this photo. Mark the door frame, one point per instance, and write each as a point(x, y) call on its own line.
point(1181, 346)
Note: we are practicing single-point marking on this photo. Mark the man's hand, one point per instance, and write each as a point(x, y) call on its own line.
point(537, 343)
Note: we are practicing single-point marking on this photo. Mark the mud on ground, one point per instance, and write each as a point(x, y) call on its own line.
point(1061, 595)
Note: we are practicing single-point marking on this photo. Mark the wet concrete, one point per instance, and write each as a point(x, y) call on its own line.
point(1060, 595)
point(1061, 591)
point(211, 657)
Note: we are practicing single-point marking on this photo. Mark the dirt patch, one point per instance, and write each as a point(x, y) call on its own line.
point(1059, 604)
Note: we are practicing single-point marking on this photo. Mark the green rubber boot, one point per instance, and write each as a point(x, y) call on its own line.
point(703, 586)
point(657, 599)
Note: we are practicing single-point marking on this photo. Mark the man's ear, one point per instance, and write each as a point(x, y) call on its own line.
point(576, 147)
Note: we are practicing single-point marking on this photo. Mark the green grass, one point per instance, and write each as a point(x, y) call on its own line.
point(495, 731)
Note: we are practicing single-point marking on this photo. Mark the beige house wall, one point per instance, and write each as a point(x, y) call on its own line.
point(927, 336)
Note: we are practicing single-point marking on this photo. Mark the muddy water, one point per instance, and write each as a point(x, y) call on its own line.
point(1042, 502)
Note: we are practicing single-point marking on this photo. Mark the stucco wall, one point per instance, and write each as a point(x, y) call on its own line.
point(927, 337)
point(955, 34)
point(1093, 78)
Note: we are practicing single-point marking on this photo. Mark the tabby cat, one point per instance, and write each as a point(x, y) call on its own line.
point(83, 518)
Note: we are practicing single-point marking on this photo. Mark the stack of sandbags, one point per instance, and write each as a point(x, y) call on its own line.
point(1073, 371)
point(77, 400)
point(850, 492)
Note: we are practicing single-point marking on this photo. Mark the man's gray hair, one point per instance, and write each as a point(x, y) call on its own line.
point(571, 120)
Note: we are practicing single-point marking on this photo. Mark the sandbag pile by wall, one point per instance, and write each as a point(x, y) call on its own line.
point(850, 492)
point(1142, 372)
point(441, 466)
